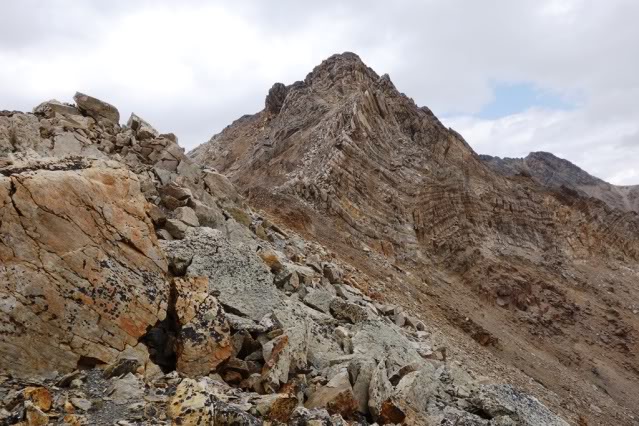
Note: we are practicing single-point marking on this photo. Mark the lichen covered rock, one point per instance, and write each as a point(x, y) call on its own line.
point(81, 274)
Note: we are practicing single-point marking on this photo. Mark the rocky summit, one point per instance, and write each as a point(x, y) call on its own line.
point(339, 258)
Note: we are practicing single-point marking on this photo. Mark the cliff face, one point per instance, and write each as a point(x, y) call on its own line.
point(555, 173)
point(529, 268)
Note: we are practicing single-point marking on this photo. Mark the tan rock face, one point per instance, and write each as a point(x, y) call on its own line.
point(337, 396)
point(81, 274)
point(96, 108)
point(204, 339)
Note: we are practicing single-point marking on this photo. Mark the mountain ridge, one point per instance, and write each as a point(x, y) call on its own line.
point(554, 172)
point(350, 161)
point(137, 286)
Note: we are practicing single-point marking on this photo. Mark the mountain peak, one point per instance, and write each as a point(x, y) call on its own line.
point(344, 67)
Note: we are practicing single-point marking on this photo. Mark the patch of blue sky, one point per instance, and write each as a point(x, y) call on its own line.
point(513, 98)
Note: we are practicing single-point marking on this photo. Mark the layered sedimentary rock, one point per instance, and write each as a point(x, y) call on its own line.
point(345, 158)
point(555, 173)
point(236, 319)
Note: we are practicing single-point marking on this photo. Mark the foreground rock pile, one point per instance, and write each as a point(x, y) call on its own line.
point(138, 288)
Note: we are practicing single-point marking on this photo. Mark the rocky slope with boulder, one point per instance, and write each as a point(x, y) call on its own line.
point(541, 277)
point(556, 173)
point(138, 287)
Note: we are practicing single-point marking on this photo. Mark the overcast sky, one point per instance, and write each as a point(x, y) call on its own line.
point(510, 76)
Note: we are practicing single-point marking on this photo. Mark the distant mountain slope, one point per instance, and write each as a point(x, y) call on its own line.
point(554, 172)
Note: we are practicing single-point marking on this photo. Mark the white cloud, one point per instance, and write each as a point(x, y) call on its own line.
point(596, 147)
point(194, 66)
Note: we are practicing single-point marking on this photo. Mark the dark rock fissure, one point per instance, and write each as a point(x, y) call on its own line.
point(232, 310)
point(70, 164)
point(161, 338)
point(12, 192)
point(88, 363)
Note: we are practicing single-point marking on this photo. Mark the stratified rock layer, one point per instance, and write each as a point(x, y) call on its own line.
point(348, 160)
point(556, 173)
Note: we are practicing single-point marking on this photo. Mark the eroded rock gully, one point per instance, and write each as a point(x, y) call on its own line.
point(138, 287)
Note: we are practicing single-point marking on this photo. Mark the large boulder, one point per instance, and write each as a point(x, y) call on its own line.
point(99, 110)
point(336, 396)
point(244, 283)
point(505, 401)
point(81, 274)
point(204, 340)
point(143, 130)
point(275, 99)
point(378, 340)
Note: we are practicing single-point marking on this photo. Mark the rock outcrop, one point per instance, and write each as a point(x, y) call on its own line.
point(81, 273)
point(204, 340)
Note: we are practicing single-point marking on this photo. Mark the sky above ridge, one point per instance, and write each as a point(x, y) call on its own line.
point(510, 76)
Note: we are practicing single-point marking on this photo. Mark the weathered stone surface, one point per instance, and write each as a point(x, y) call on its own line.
point(121, 367)
point(142, 129)
point(414, 392)
point(204, 341)
point(376, 339)
point(35, 416)
point(220, 187)
point(379, 389)
point(39, 396)
point(176, 228)
point(504, 400)
point(81, 403)
point(333, 273)
point(81, 273)
point(243, 281)
point(275, 98)
point(96, 108)
point(196, 403)
point(208, 215)
point(361, 371)
point(277, 354)
point(50, 109)
point(126, 389)
point(20, 133)
point(276, 407)
point(319, 299)
point(348, 311)
point(186, 215)
point(336, 396)
point(285, 355)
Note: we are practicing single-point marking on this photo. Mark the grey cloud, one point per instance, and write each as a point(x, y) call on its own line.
point(444, 53)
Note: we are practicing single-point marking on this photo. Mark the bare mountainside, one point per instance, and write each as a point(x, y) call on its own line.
point(541, 278)
point(554, 172)
point(140, 288)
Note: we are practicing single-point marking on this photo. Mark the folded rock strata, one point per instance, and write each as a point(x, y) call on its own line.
point(248, 321)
